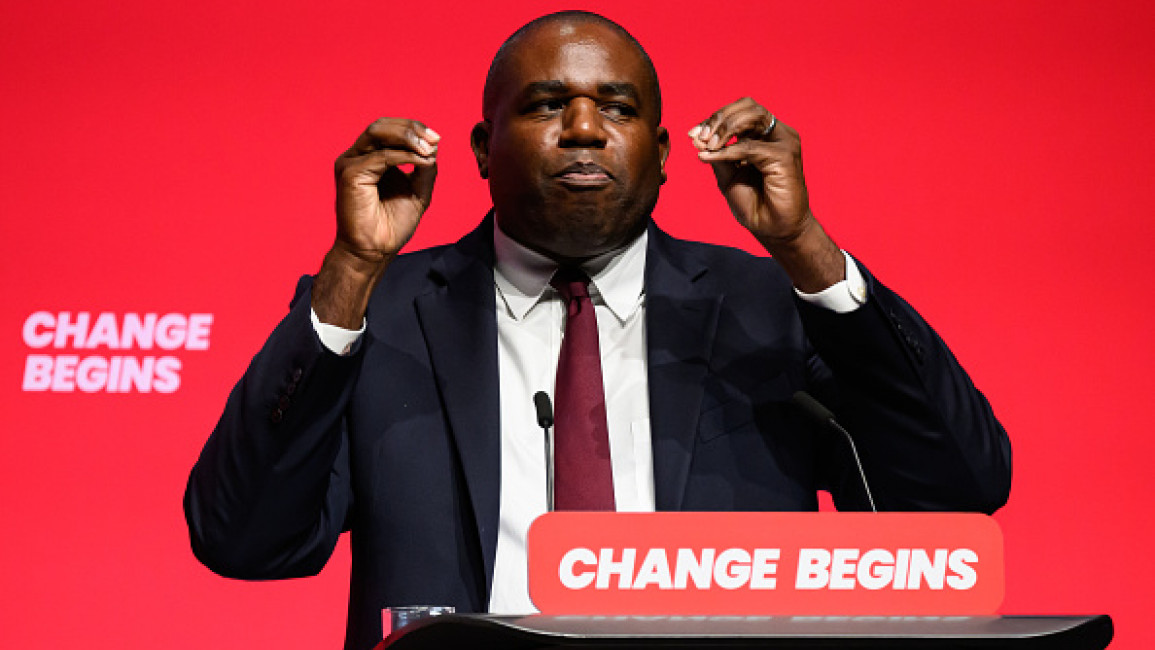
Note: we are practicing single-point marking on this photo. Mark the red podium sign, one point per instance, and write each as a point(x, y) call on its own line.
point(716, 563)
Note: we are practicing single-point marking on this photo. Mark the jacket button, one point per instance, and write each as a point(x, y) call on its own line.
point(276, 416)
point(297, 373)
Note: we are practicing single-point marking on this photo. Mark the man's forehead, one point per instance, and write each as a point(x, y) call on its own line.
point(574, 53)
point(578, 49)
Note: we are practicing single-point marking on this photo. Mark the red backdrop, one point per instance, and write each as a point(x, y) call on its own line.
point(992, 161)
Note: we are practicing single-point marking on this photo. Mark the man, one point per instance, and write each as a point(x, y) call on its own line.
point(394, 400)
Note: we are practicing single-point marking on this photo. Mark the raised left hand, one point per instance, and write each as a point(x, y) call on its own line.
point(760, 173)
point(757, 161)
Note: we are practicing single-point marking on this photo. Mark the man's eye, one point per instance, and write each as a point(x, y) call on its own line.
point(546, 106)
point(619, 110)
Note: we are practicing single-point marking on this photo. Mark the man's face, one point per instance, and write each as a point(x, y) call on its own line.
point(572, 146)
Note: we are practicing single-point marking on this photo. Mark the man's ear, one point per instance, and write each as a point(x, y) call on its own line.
point(479, 142)
point(663, 149)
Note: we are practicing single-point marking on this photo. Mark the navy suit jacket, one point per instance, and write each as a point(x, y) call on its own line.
point(399, 443)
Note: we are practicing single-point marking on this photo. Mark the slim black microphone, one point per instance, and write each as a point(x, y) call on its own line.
point(544, 409)
point(820, 413)
point(545, 420)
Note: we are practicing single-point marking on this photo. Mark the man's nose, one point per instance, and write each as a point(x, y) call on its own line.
point(583, 124)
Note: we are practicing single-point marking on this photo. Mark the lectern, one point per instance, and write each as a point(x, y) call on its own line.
point(786, 581)
point(774, 632)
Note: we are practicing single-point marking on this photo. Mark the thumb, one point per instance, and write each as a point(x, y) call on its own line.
point(422, 178)
point(723, 173)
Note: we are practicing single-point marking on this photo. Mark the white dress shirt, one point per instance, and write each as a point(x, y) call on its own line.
point(530, 324)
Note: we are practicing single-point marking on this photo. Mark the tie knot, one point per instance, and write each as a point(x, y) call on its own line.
point(571, 282)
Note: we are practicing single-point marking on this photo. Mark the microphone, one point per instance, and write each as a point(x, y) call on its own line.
point(544, 410)
point(821, 414)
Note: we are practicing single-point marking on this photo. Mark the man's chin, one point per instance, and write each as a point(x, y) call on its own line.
point(573, 230)
point(577, 249)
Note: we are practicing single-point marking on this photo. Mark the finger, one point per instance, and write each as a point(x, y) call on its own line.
point(728, 121)
point(705, 128)
point(390, 131)
point(739, 124)
point(757, 129)
point(375, 163)
point(754, 152)
point(396, 133)
point(769, 159)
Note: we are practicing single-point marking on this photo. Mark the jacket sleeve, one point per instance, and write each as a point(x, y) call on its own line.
point(270, 493)
point(927, 437)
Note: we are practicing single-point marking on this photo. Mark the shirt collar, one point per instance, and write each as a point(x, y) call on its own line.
point(522, 276)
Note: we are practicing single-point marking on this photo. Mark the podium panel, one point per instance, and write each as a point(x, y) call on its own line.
point(774, 632)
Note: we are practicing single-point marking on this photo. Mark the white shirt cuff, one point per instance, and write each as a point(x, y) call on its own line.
point(337, 339)
point(840, 297)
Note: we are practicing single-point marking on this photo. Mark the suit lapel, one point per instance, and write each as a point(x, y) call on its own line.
point(460, 328)
point(457, 318)
point(681, 318)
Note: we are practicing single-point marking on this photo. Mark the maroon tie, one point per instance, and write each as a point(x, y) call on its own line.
point(583, 476)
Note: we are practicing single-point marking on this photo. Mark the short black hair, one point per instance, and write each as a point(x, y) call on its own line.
point(489, 95)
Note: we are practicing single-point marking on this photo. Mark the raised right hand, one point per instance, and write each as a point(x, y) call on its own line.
point(378, 203)
point(378, 207)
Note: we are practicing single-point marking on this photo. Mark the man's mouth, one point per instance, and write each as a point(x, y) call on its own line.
point(584, 175)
